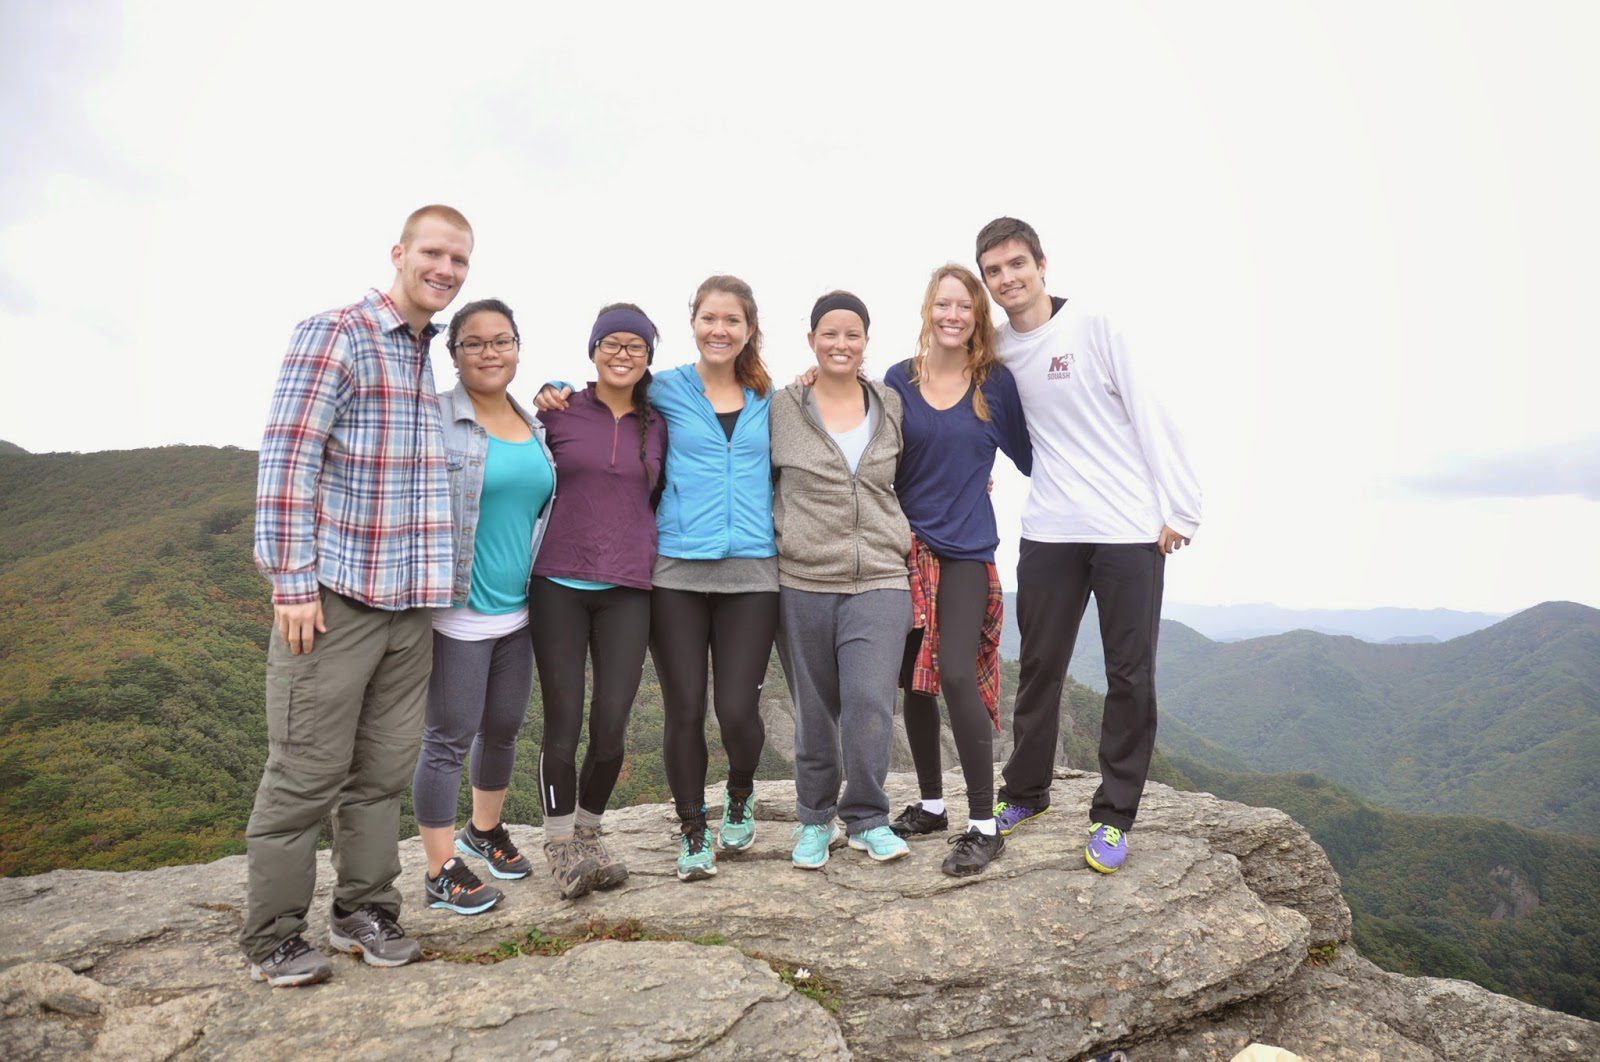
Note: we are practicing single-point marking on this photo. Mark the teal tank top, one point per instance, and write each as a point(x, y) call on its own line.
point(517, 483)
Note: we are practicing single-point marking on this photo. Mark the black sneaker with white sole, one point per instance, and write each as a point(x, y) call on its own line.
point(292, 964)
point(369, 932)
point(972, 853)
point(918, 821)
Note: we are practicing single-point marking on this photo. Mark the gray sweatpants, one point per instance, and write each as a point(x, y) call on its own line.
point(476, 700)
point(841, 657)
point(343, 723)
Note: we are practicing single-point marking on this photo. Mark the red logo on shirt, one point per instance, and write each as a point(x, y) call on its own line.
point(1061, 368)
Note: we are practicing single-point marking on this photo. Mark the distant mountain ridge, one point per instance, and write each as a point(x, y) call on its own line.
point(1503, 722)
point(1232, 623)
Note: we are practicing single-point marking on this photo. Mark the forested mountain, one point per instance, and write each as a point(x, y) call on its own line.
point(1503, 722)
point(132, 728)
point(1514, 910)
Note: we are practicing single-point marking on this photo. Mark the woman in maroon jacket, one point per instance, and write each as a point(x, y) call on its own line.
point(590, 593)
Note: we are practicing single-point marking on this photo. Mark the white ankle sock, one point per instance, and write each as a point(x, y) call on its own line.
point(933, 807)
point(981, 825)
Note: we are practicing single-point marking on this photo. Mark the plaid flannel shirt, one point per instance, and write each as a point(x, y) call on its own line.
point(352, 492)
point(924, 566)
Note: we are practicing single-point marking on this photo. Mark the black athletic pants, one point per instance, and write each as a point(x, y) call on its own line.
point(1054, 581)
point(613, 627)
point(738, 631)
point(963, 599)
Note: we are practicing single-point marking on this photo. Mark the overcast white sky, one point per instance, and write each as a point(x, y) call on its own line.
point(1358, 241)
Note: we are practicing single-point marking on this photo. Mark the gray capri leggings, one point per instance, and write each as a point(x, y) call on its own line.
point(476, 698)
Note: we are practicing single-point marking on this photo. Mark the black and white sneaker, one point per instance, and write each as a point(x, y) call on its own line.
point(496, 849)
point(291, 964)
point(369, 932)
point(972, 853)
point(917, 821)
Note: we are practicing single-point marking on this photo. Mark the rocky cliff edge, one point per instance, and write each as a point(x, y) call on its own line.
point(1226, 927)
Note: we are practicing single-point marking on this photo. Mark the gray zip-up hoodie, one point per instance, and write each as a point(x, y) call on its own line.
point(837, 533)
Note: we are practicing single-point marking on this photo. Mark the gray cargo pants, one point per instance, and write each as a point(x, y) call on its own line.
point(343, 726)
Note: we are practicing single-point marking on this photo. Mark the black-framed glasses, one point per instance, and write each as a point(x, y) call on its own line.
point(474, 346)
point(636, 349)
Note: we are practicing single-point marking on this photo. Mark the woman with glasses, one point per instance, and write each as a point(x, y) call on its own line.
point(590, 594)
point(716, 575)
point(501, 480)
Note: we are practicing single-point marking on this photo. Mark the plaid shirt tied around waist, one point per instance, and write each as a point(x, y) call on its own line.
point(352, 491)
point(924, 566)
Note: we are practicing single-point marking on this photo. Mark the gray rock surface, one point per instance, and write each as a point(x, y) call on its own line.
point(1196, 948)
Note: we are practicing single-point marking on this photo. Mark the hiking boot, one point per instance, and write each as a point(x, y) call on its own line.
point(458, 889)
point(572, 868)
point(369, 932)
point(1107, 848)
point(496, 849)
point(292, 964)
point(917, 821)
point(611, 871)
point(812, 844)
point(696, 860)
point(738, 830)
point(972, 852)
point(881, 843)
point(1008, 817)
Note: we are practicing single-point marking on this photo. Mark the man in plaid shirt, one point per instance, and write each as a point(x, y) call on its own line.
point(353, 531)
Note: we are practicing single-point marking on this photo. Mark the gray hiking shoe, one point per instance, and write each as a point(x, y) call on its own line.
point(291, 964)
point(370, 933)
point(572, 868)
point(610, 871)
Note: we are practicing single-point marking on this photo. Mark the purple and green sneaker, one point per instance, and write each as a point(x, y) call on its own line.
point(1008, 817)
point(1107, 848)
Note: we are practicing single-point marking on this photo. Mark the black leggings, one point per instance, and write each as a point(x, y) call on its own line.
point(738, 629)
point(963, 598)
point(612, 626)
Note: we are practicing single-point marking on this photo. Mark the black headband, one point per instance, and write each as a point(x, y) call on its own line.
point(840, 300)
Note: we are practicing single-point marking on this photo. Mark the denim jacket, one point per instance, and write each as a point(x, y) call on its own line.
point(466, 448)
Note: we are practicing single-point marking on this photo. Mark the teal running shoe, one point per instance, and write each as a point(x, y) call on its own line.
point(812, 843)
point(1008, 817)
point(696, 860)
point(738, 829)
point(881, 843)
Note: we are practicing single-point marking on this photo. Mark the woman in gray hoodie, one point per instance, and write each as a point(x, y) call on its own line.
point(844, 595)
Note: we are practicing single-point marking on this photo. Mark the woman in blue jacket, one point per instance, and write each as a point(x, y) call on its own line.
point(716, 577)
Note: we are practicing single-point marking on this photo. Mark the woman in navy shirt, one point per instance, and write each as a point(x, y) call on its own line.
point(960, 406)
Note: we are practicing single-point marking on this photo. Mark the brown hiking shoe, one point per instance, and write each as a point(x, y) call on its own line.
point(612, 871)
point(572, 868)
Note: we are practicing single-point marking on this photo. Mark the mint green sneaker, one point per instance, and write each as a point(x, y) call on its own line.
point(812, 843)
point(696, 860)
point(738, 829)
point(881, 843)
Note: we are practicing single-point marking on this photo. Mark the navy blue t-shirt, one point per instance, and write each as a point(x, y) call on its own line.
point(943, 480)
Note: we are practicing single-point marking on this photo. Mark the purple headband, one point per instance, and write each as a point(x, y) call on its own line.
point(624, 320)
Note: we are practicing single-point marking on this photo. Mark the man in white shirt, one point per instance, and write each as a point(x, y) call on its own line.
point(1112, 495)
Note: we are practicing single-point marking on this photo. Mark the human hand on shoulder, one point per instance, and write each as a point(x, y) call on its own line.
point(551, 398)
point(1170, 541)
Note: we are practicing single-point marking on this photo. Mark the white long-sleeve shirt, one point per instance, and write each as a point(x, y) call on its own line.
point(1108, 463)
